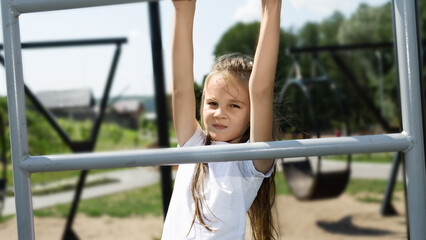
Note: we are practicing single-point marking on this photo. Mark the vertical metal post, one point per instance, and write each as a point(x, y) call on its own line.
point(17, 120)
point(89, 146)
point(160, 99)
point(409, 67)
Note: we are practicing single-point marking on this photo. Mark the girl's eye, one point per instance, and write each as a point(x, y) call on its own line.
point(212, 103)
point(235, 106)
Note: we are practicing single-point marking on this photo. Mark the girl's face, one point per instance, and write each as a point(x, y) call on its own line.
point(226, 109)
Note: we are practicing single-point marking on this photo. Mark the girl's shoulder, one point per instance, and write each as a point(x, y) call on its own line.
point(244, 169)
point(197, 139)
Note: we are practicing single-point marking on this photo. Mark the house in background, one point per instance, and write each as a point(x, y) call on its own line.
point(126, 113)
point(80, 104)
point(77, 104)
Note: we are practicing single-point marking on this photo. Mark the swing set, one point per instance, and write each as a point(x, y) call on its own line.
point(303, 168)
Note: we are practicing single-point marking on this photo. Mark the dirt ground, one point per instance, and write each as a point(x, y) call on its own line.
point(341, 218)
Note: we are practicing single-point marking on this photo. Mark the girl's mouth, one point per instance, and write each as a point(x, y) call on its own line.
point(219, 126)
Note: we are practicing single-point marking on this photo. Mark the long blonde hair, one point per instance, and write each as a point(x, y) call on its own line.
point(238, 67)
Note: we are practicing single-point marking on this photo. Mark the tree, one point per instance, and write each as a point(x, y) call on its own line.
point(242, 38)
point(328, 29)
point(372, 25)
point(367, 25)
point(309, 35)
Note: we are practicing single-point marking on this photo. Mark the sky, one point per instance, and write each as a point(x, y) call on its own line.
point(87, 67)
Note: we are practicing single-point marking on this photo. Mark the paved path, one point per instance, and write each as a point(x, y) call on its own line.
point(126, 180)
point(140, 177)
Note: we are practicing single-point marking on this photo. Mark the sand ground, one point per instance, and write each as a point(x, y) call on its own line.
point(340, 218)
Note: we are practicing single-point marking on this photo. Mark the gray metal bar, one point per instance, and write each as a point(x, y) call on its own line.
point(27, 6)
point(17, 120)
point(231, 152)
point(406, 29)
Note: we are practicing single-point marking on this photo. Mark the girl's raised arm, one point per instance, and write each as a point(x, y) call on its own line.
point(261, 86)
point(183, 97)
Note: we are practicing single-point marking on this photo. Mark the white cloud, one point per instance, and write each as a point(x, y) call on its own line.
point(329, 6)
point(324, 6)
point(248, 12)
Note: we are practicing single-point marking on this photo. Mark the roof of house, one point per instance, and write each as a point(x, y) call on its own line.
point(61, 99)
point(125, 106)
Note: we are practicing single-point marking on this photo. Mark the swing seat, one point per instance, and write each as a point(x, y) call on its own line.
point(307, 185)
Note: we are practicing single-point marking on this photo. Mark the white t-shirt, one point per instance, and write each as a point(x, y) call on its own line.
point(229, 188)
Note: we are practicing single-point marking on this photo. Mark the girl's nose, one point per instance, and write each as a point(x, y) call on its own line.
point(220, 113)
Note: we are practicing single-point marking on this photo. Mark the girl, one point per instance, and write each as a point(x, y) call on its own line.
point(210, 200)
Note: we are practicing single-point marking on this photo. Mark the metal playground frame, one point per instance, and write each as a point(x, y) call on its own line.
point(410, 141)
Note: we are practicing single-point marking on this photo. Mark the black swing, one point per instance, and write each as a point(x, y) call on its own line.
point(303, 181)
point(3, 162)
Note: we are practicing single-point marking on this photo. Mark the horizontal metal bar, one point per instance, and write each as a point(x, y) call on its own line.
point(72, 43)
point(27, 6)
point(219, 153)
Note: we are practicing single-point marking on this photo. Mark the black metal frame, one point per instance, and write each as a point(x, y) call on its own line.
point(387, 209)
point(76, 146)
point(160, 100)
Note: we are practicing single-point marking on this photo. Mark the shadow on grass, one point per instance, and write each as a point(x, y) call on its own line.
point(346, 227)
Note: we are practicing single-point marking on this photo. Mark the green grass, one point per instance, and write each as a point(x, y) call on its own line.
point(139, 202)
point(4, 219)
point(113, 137)
point(371, 191)
point(366, 157)
point(281, 185)
point(376, 186)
